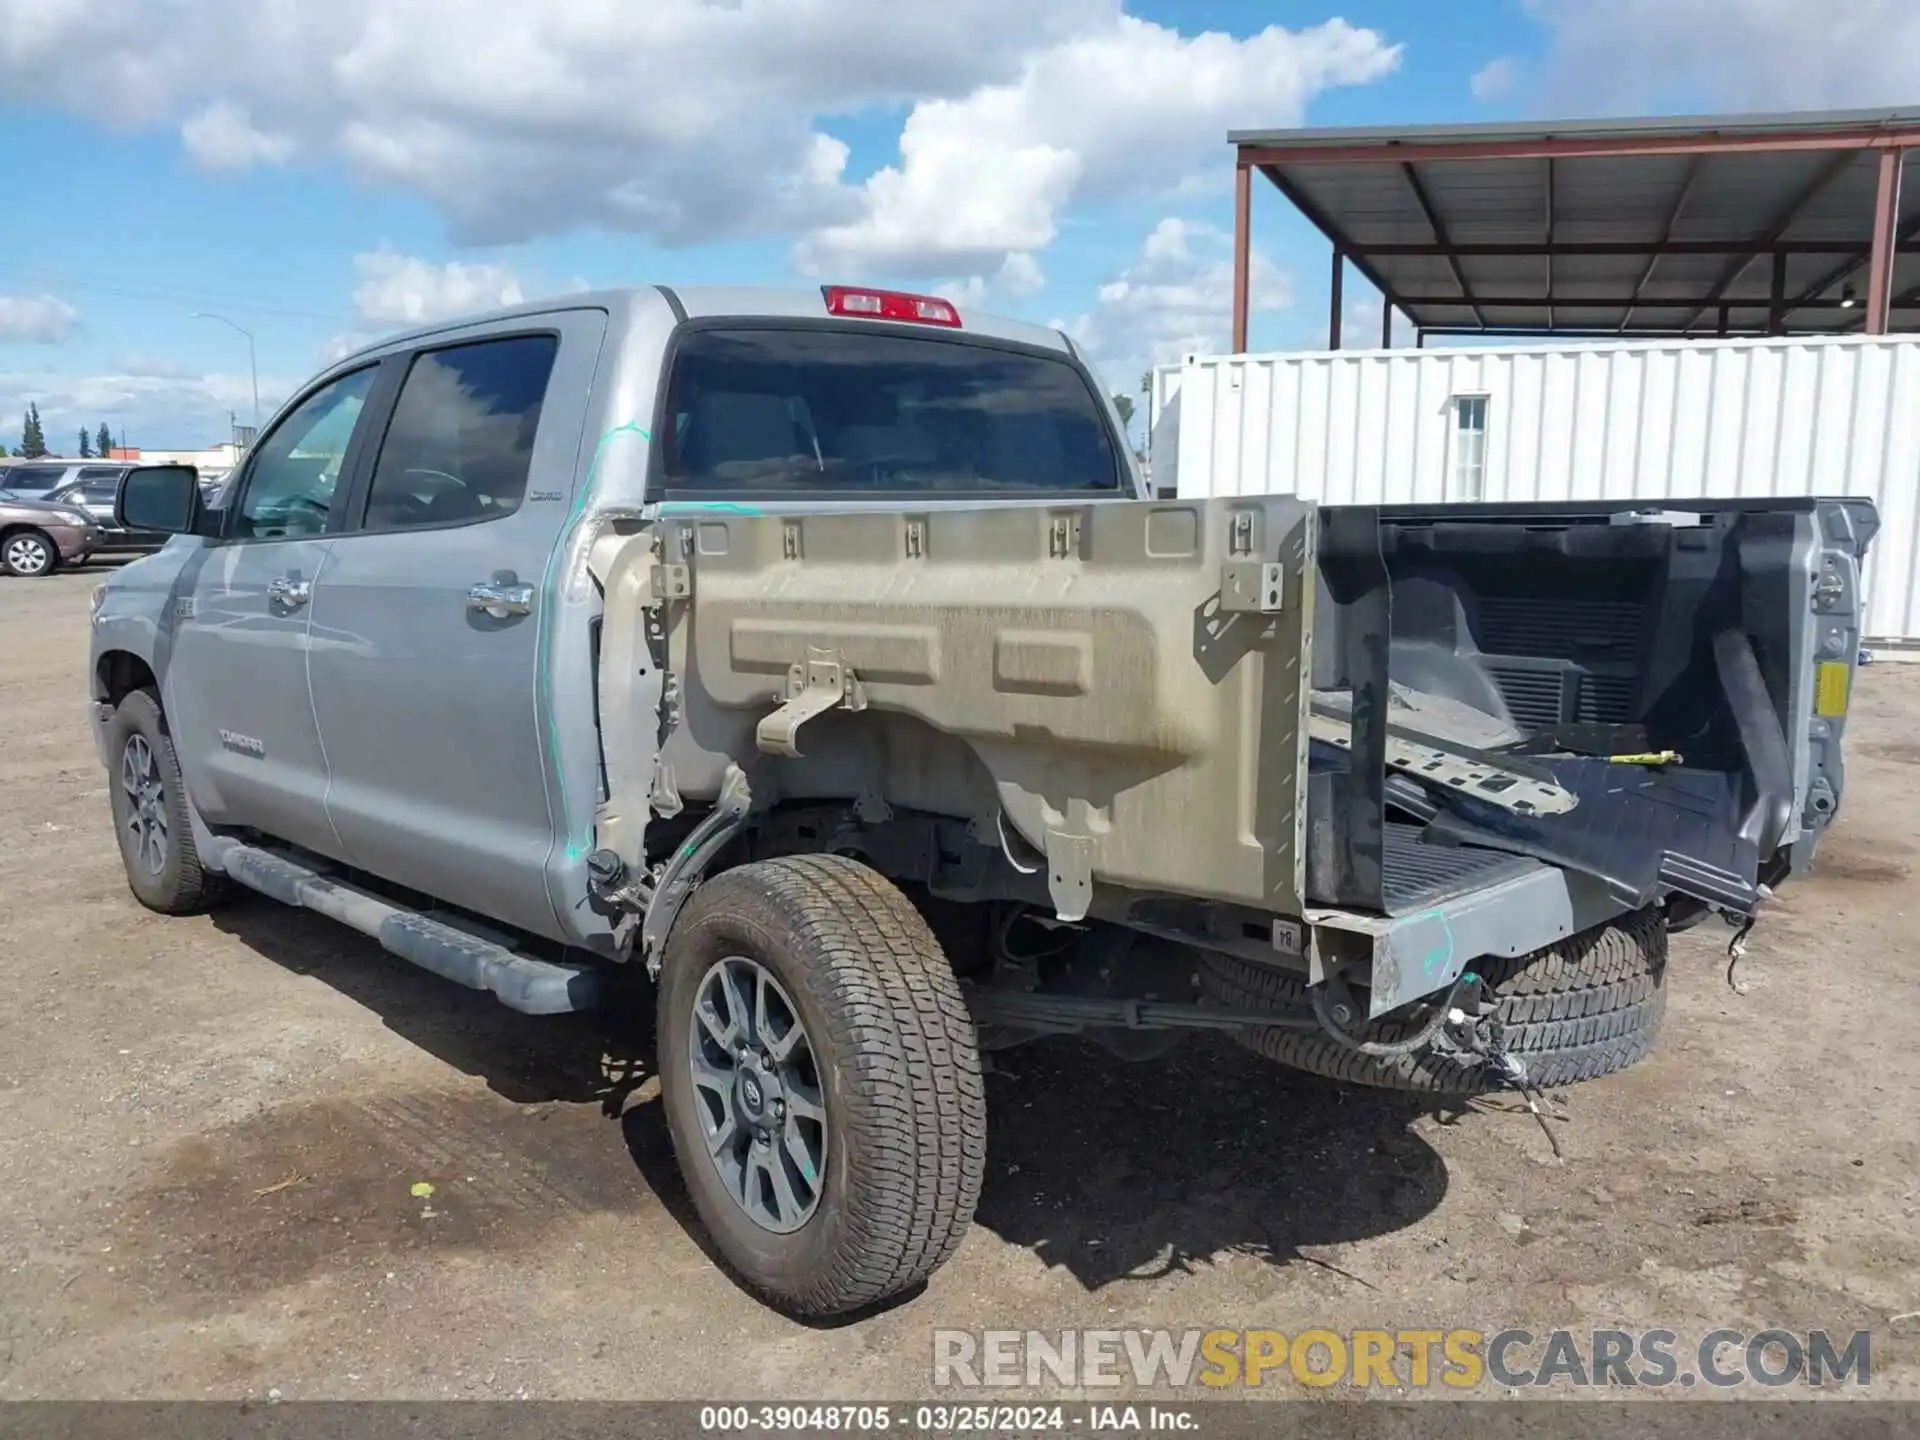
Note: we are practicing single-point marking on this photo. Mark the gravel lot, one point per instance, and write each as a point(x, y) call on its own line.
point(209, 1129)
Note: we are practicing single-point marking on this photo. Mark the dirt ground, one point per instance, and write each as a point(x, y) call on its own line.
point(209, 1131)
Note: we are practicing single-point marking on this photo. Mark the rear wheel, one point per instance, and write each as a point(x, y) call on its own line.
point(29, 554)
point(1582, 1008)
point(821, 1082)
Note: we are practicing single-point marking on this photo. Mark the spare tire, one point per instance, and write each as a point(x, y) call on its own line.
point(1582, 1008)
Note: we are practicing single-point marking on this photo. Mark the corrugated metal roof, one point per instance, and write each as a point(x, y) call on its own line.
point(1637, 128)
point(1544, 241)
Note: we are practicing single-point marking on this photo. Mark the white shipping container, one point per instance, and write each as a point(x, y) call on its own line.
point(1666, 420)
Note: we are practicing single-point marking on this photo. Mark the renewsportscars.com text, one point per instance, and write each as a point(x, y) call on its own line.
point(1459, 1359)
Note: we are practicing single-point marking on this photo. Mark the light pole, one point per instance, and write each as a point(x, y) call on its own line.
point(252, 365)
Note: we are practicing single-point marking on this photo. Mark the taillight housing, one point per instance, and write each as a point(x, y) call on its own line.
point(891, 305)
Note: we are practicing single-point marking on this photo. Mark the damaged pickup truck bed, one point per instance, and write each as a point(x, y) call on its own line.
point(820, 657)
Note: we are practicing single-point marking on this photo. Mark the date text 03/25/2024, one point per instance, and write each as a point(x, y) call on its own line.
point(945, 1419)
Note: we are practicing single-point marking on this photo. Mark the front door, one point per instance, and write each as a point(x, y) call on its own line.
point(433, 723)
point(235, 683)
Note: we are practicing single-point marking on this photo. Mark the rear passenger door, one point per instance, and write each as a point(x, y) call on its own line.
point(426, 654)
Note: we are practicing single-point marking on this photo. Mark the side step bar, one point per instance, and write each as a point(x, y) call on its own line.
point(533, 987)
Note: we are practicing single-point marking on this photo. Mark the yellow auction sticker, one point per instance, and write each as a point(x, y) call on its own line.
point(1830, 688)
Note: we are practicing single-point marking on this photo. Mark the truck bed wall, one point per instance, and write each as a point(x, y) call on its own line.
point(1069, 665)
point(1550, 615)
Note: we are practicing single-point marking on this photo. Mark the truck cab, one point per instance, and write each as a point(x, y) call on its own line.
point(381, 649)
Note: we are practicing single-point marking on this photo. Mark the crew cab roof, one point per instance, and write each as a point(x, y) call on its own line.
point(726, 301)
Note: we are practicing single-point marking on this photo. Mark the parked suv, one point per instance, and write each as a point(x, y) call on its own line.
point(91, 485)
point(37, 538)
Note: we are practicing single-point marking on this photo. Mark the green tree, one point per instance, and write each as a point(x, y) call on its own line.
point(86, 444)
point(1124, 404)
point(103, 442)
point(33, 440)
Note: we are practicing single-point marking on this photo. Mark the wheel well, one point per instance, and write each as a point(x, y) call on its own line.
point(17, 527)
point(119, 674)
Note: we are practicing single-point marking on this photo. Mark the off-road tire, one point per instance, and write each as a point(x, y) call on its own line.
point(184, 886)
point(1582, 1008)
point(47, 551)
point(899, 1073)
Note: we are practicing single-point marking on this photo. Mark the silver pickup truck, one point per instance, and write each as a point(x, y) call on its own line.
point(819, 655)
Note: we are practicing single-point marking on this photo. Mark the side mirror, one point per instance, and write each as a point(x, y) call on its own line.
point(164, 498)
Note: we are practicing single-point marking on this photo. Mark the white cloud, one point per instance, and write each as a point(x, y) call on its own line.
point(36, 319)
point(1633, 55)
point(147, 366)
point(153, 410)
point(1018, 278)
point(1175, 300)
point(338, 347)
point(1124, 108)
point(686, 119)
point(1493, 79)
point(398, 290)
point(221, 137)
point(1021, 275)
point(695, 120)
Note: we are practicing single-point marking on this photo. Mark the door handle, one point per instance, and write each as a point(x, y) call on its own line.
point(290, 591)
point(501, 598)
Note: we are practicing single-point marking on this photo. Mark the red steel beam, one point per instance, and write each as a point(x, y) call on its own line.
point(1242, 251)
point(1396, 152)
point(1886, 206)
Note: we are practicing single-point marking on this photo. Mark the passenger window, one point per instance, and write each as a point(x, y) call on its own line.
point(291, 481)
point(461, 440)
point(31, 479)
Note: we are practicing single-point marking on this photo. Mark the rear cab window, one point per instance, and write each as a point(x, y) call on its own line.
point(783, 410)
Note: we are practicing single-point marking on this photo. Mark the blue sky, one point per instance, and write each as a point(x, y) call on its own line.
point(322, 172)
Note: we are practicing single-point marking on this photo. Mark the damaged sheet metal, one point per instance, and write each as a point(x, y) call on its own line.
point(1640, 830)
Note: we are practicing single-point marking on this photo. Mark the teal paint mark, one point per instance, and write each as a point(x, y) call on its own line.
point(575, 846)
point(726, 507)
point(1439, 956)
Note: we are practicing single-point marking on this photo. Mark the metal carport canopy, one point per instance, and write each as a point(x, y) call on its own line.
point(1698, 225)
